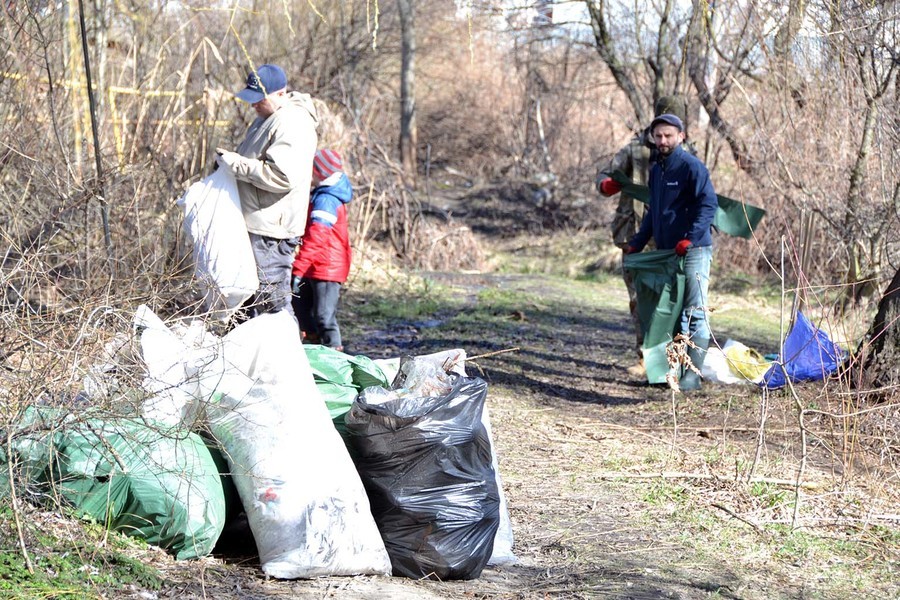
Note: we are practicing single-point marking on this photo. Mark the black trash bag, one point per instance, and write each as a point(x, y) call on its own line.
point(426, 464)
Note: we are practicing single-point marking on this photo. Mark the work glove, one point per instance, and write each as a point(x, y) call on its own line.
point(610, 186)
point(682, 247)
point(227, 158)
point(295, 284)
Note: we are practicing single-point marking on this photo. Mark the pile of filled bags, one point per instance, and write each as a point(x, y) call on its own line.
point(343, 465)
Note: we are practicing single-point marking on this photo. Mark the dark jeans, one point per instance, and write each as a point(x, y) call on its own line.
point(274, 259)
point(315, 305)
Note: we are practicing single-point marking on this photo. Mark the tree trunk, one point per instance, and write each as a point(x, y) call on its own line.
point(408, 133)
point(662, 47)
point(697, 50)
point(855, 198)
point(879, 352)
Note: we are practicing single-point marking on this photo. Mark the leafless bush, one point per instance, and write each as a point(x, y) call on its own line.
point(446, 246)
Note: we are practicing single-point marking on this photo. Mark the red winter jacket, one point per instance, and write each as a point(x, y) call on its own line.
point(325, 250)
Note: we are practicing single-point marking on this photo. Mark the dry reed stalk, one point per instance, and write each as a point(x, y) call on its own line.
point(15, 503)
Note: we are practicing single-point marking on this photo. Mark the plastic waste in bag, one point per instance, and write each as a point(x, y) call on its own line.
point(734, 363)
point(808, 354)
point(223, 259)
point(254, 390)
point(340, 377)
point(426, 462)
point(304, 500)
point(715, 368)
point(455, 362)
point(745, 361)
point(158, 485)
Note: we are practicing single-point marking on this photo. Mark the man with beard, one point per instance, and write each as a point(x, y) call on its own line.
point(680, 215)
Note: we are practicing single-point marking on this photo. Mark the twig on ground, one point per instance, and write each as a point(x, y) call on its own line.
point(472, 359)
point(755, 527)
point(707, 476)
point(496, 352)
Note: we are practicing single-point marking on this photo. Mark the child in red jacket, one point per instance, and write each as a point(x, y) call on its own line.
point(323, 261)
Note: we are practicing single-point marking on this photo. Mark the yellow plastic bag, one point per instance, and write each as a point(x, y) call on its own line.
point(745, 361)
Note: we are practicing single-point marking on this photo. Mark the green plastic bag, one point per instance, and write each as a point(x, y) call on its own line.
point(340, 377)
point(160, 486)
point(659, 284)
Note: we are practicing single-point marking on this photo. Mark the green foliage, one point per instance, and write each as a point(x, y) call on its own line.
point(493, 299)
point(768, 494)
point(573, 256)
point(595, 276)
point(801, 546)
point(726, 281)
point(88, 564)
point(712, 456)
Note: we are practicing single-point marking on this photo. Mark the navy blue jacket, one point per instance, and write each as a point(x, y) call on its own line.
point(683, 203)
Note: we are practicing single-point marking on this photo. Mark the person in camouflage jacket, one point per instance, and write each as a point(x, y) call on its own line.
point(634, 160)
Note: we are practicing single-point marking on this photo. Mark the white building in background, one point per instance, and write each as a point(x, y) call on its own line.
point(515, 15)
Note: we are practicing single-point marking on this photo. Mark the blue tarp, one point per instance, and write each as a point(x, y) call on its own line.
point(808, 355)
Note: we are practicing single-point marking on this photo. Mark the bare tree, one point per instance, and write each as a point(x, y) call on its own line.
point(870, 36)
point(408, 132)
point(658, 58)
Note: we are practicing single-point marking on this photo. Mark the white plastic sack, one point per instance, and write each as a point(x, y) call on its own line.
point(305, 503)
point(173, 359)
point(502, 553)
point(716, 369)
point(304, 500)
point(733, 363)
point(223, 259)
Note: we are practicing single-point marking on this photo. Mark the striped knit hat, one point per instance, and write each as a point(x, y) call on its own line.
point(327, 163)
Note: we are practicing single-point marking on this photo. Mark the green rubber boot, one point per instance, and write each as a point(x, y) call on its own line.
point(690, 380)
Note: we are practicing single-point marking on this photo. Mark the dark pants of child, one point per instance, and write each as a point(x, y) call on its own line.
point(315, 305)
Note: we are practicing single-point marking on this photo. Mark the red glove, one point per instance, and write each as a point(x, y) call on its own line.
point(609, 187)
point(628, 250)
point(682, 247)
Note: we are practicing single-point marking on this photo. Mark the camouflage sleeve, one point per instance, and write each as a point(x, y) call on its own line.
point(620, 162)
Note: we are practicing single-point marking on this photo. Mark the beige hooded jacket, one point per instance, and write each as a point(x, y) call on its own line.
point(275, 172)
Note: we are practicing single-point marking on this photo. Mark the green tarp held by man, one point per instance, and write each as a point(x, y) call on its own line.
point(659, 276)
point(732, 217)
point(659, 283)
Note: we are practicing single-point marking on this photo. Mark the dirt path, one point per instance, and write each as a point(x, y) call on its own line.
point(576, 535)
point(562, 404)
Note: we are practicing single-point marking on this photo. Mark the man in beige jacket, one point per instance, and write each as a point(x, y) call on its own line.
point(273, 169)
